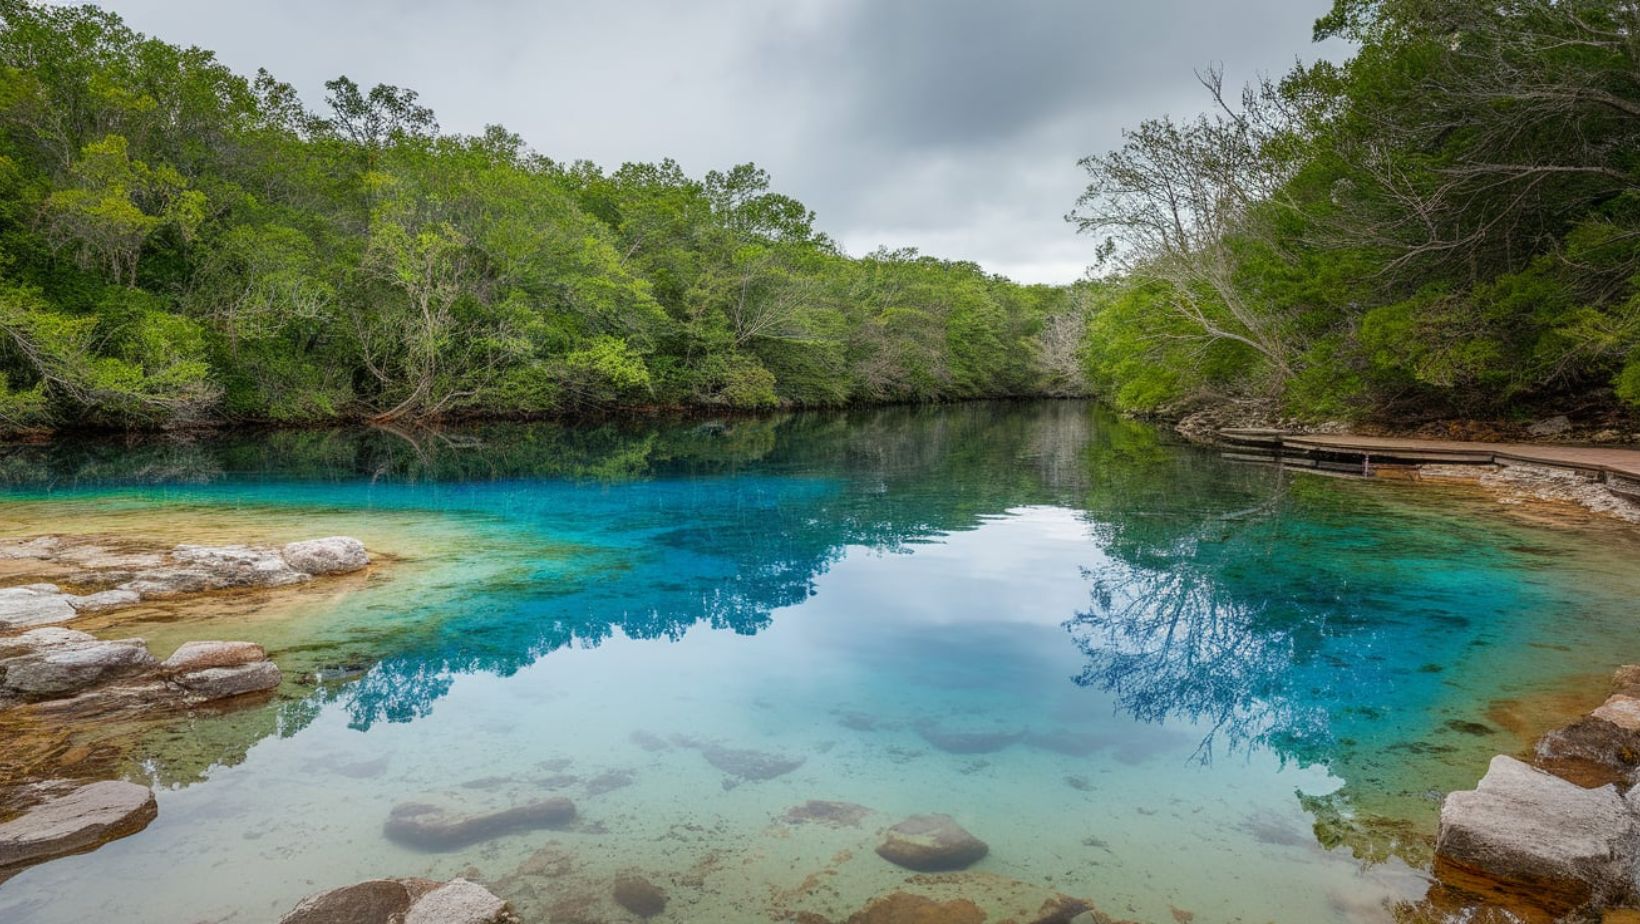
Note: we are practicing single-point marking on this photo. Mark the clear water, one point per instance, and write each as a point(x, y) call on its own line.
point(1143, 675)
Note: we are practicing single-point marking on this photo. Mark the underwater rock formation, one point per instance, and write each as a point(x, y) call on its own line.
point(429, 827)
point(1560, 836)
point(825, 812)
point(638, 895)
point(931, 843)
point(403, 901)
point(743, 764)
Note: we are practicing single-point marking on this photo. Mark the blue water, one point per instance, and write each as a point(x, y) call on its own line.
point(1145, 676)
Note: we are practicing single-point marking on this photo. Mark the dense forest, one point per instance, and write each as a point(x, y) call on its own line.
point(1447, 224)
point(180, 244)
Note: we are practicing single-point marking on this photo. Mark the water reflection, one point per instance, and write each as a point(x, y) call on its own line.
point(1332, 624)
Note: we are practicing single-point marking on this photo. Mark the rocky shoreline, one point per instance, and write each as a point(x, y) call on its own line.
point(1555, 836)
point(61, 678)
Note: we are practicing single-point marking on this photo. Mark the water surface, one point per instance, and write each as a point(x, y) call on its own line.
point(1143, 675)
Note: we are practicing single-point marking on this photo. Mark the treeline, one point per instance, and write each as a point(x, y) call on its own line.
point(1447, 224)
point(180, 244)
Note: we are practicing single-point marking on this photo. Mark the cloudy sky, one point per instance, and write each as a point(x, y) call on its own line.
point(953, 126)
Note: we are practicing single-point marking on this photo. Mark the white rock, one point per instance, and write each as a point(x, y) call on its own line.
point(457, 902)
point(198, 656)
point(332, 555)
point(80, 820)
point(223, 682)
point(160, 583)
point(1522, 825)
point(103, 600)
point(67, 664)
point(40, 547)
point(239, 565)
point(33, 605)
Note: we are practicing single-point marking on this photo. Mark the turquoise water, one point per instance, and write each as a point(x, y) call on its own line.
point(1143, 675)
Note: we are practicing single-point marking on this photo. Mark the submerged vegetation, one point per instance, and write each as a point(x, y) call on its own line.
point(181, 244)
point(1446, 224)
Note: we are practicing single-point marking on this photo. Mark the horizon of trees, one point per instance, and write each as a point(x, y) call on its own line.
point(180, 244)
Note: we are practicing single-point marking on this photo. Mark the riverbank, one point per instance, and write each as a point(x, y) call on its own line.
point(1600, 480)
point(72, 704)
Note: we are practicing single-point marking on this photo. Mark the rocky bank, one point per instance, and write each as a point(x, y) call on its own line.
point(1557, 835)
point(60, 678)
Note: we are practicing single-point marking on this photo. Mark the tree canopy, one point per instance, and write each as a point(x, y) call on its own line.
point(182, 244)
point(1446, 224)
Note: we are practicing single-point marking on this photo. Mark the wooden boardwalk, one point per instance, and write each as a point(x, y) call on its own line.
point(1618, 467)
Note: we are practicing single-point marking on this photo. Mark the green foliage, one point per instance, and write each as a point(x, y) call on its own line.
point(180, 244)
point(1448, 223)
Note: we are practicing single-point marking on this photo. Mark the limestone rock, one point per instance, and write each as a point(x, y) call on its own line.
point(931, 844)
point(1602, 747)
point(198, 656)
point(1551, 426)
point(103, 600)
point(638, 895)
point(239, 566)
point(56, 662)
point(332, 555)
point(78, 821)
point(458, 901)
point(33, 605)
point(223, 682)
point(826, 812)
point(39, 547)
point(160, 583)
point(1626, 679)
point(1533, 832)
point(749, 765)
point(373, 901)
point(430, 827)
point(1621, 710)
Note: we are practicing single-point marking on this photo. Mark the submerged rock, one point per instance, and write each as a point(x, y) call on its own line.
point(76, 822)
point(1537, 834)
point(638, 895)
point(459, 901)
point(966, 741)
point(931, 844)
point(906, 908)
point(835, 814)
point(748, 764)
point(331, 555)
point(402, 901)
point(362, 902)
point(429, 827)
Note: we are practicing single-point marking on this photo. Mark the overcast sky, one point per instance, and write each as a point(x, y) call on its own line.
point(953, 126)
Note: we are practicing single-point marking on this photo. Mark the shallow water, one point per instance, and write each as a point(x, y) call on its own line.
point(1143, 675)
